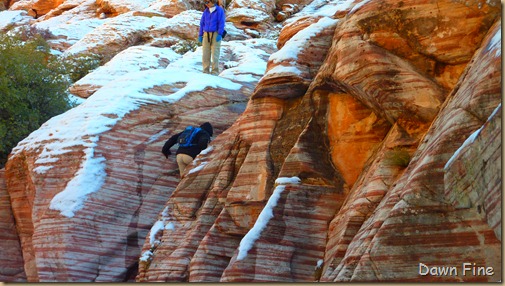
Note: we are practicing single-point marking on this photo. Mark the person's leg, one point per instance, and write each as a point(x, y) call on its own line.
point(183, 161)
point(206, 53)
point(216, 51)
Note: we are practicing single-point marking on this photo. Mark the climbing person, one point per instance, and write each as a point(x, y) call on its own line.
point(210, 35)
point(191, 142)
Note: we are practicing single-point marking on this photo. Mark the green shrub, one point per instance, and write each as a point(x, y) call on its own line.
point(78, 66)
point(185, 46)
point(398, 157)
point(33, 87)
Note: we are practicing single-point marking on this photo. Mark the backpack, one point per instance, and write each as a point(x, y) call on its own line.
point(187, 136)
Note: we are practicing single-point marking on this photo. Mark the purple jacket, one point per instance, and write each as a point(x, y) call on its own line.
point(212, 22)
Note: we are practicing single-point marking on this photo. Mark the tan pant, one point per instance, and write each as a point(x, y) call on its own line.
point(210, 50)
point(183, 161)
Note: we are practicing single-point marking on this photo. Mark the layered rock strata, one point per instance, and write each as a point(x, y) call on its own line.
point(374, 129)
point(12, 256)
point(367, 150)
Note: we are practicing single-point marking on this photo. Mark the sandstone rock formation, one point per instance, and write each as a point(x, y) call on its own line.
point(12, 256)
point(12, 19)
point(359, 144)
point(74, 172)
point(372, 191)
point(36, 8)
point(136, 58)
point(103, 245)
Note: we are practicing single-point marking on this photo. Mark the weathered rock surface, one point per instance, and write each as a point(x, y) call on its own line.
point(104, 245)
point(414, 207)
point(117, 7)
point(372, 191)
point(105, 155)
point(136, 58)
point(114, 36)
point(12, 19)
point(367, 145)
point(36, 8)
point(467, 186)
point(12, 256)
point(255, 17)
point(69, 23)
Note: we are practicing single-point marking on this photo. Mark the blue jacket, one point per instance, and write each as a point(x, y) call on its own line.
point(212, 22)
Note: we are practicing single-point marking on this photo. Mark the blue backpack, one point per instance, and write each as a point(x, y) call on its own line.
point(187, 136)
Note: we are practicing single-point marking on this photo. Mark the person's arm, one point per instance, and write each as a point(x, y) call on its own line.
point(170, 142)
point(221, 22)
point(202, 23)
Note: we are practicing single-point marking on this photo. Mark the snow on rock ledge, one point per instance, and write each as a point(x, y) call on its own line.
point(136, 58)
point(105, 153)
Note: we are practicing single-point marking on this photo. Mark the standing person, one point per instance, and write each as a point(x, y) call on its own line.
point(191, 142)
point(211, 34)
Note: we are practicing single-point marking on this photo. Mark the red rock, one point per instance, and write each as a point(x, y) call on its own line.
point(415, 207)
point(105, 245)
point(472, 175)
point(12, 269)
point(39, 7)
point(359, 123)
point(373, 212)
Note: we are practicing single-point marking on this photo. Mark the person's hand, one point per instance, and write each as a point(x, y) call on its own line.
point(219, 38)
point(166, 151)
point(200, 39)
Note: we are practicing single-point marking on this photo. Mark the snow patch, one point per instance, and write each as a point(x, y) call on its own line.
point(291, 49)
point(494, 45)
point(87, 180)
point(157, 227)
point(170, 226)
point(207, 150)
point(75, 99)
point(99, 113)
point(258, 16)
point(286, 181)
point(124, 25)
point(42, 169)
point(254, 233)
point(284, 70)
point(197, 168)
point(470, 139)
point(133, 59)
point(9, 18)
point(266, 214)
point(467, 142)
point(318, 8)
point(146, 256)
point(201, 165)
point(358, 6)
point(156, 136)
point(495, 111)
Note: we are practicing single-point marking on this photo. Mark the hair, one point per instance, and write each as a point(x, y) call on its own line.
point(207, 127)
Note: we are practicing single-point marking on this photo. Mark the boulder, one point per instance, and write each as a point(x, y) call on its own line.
point(132, 59)
point(36, 8)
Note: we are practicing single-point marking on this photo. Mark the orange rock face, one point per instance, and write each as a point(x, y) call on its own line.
point(36, 8)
